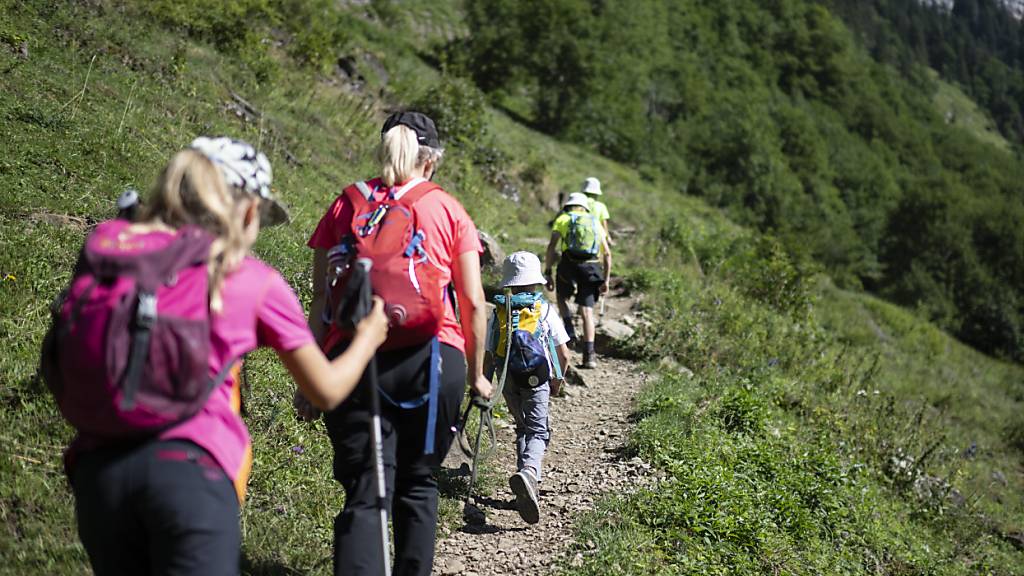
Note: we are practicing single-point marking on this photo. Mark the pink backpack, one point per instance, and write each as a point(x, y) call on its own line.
point(127, 352)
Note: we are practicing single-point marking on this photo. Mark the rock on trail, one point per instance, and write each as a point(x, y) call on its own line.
point(584, 460)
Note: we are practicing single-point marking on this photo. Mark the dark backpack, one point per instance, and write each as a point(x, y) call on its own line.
point(127, 351)
point(530, 348)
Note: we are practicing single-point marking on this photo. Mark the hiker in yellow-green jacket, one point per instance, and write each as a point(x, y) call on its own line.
point(584, 252)
point(592, 189)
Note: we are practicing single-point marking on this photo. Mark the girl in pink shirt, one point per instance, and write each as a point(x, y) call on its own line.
point(169, 505)
point(416, 435)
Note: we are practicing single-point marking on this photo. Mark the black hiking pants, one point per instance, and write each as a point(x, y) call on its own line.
point(411, 487)
point(163, 508)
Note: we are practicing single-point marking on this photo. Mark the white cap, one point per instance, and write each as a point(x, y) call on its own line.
point(577, 199)
point(591, 186)
point(521, 269)
point(246, 169)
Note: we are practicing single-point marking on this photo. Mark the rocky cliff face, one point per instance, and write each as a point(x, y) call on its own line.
point(1014, 7)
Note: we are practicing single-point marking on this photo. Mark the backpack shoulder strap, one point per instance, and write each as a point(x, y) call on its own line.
point(495, 331)
point(359, 193)
point(542, 317)
point(552, 352)
point(415, 190)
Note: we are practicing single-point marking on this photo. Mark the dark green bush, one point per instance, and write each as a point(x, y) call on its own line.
point(742, 411)
point(459, 110)
point(766, 272)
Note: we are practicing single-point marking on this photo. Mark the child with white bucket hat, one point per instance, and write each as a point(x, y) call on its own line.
point(527, 340)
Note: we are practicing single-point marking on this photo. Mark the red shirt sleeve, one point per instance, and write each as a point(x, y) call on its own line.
point(467, 239)
point(280, 320)
point(334, 224)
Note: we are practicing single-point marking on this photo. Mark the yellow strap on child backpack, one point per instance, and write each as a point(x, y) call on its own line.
point(529, 320)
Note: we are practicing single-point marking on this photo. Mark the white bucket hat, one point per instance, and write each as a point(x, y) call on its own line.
point(591, 186)
point(521, 269)
point(577, 199)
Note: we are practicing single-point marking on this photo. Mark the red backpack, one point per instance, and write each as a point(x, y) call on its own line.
point(127, 353)
point(403, 275)
point(387, 233)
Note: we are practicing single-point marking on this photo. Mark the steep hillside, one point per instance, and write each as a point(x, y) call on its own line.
point(974, 43)
point(774, 112)
point(822, 431)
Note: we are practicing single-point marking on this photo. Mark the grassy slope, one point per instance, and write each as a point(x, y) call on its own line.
point(100, 103)
point(817, 444)
point(958, 109)
point(148, 92)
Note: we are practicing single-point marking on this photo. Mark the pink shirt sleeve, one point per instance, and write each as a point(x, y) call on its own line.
point(280, 320)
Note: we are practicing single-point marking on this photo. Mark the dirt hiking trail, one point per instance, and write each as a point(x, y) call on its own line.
point(584, 460)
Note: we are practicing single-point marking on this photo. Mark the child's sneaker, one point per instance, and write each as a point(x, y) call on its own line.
point(589, 360)
point(524, 486)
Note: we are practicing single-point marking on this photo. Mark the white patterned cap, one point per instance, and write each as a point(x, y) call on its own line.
point(246, 169)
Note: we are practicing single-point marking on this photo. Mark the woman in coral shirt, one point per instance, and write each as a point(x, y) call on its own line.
point(409, 154)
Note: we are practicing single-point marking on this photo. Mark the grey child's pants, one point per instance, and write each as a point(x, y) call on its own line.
point(529, 407)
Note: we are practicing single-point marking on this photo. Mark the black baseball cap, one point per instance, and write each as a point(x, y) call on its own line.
point(421, 124)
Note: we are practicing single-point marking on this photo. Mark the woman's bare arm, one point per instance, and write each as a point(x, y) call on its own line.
point(473, 308)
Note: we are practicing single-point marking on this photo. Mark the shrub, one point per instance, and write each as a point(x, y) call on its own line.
point(1015, 434)
point(766, 272)
point(742, 411)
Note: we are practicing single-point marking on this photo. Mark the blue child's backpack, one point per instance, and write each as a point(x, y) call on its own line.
point(530, 348)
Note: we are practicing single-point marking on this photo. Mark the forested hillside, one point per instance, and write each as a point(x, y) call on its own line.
point(773, 111)
point(979, 44)
point(791, 210)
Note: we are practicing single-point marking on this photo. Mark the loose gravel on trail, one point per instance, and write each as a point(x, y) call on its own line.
point(584, 460)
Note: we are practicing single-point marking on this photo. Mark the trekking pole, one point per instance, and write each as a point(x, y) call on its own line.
point(376, 437)
point(486, 406)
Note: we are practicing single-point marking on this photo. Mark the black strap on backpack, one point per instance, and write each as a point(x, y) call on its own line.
point(145, 318)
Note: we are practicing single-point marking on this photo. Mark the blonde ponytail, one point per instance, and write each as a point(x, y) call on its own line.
point(192, 190)
point(398, 153)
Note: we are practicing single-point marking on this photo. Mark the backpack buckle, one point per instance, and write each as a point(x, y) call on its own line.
point(145, 315)
point(414, 246)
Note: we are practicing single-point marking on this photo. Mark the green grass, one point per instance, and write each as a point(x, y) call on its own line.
point(834, 439)
point(775, 460)
point(90, 113)
point(958, 109)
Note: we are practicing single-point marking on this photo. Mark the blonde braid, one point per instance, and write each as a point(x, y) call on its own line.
point(191, 190)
